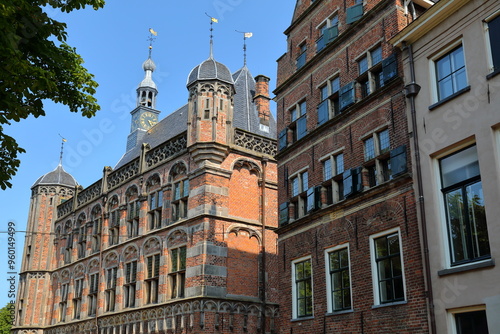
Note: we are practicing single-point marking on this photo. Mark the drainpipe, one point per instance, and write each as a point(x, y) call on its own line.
point(411, 90)
point(263, 246)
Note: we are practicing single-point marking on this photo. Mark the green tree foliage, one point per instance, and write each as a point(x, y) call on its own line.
point(36, 64)
point(5, 319)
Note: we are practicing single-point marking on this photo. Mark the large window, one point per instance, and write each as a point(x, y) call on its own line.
point(63, 304)
point(473, 322)
point(180, 200)
point(129, 287)
point(370, 71)
point(77, 298)
point(155, 205)
point(92, 296)
point(298, 119)
point(388, 268)
point(111, 289)
point(450, 73)
point(302, 288)
point(339, 279)
point(152, 278)
point(329, 95)
point(299, 184)
point(493, 27)
point(464, 205)
point(133, 219)
point(333, 167)
point(377, 157)
point(177, 274)
point(96, 220)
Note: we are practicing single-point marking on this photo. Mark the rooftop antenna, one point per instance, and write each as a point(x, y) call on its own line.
point(63, 140)
point(212, 21)
point(151, 39)
point(245, 36)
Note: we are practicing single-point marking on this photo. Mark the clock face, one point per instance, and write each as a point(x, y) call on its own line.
point(147, 120)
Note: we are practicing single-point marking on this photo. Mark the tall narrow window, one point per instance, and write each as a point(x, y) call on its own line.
point(494, 37)
point(82, 237)
point(152, 278)
point(450, 73)
point(96, 229)
point(133, 219)
point(301, 59)
point(340, 280)
point(180, 200)
point(302, 289)
point(299, 186)
point(464, 204)
point(63, 304)
point(92, 295)
point(77, 298)
point(377, 155)
point(114, 227)
point(111, 289)
point(389, 271)
point(155, 208)
point(177, 274)
point(129, 287)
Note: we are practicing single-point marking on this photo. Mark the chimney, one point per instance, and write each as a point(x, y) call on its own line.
point(261, 98)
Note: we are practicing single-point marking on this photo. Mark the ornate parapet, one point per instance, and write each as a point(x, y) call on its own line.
point(165, 151)
point(123, 174)
point(88, 194)
point(255, 143)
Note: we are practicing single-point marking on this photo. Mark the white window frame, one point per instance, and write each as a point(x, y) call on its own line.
point(329, 286)
point(294, 291)
point(432, 68)
point(489, 57)
point(376, 292)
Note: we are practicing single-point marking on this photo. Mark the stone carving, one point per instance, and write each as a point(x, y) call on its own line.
point(123, 174)
point(255, 143)
point(152, 245)
point(89, 193)
point(166, 150)
point(65, 208)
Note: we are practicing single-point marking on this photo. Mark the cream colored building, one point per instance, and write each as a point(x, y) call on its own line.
point(452, 54)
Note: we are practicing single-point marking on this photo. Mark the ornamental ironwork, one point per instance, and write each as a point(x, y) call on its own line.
point(255, 143)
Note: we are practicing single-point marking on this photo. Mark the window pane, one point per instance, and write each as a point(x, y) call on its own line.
point(324, 92)
point(477, 218)
point(457, 59)
point(335, 84)
point(459, 167)
point(384, 143)
point(457, 226)
point(472, 322)
point(302, 107)
point(339, 160)
point(363, 65)
point(494, 34)
point(327, 169)
point(295, 186)
point(369, 149)
point(443, 67)
point(376, 56)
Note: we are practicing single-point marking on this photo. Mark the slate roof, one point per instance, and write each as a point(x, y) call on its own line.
point(57, 177)
point(245, 114)
point(210, 69)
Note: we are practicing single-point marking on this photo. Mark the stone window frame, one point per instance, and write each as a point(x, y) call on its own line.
point(114, 218)
point(152, 278)
point(130, 284)
point(370, 75)
point(177, 275)
point(333, 181)
point(329, 279)
point(377, 152)
point(298, 198)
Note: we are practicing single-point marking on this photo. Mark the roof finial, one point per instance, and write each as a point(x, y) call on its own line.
point(212, 21)
point(151, 39)
point(63, 140)
point(245, 36)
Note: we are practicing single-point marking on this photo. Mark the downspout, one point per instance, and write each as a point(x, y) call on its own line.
point(411, 90)
point(263, 246)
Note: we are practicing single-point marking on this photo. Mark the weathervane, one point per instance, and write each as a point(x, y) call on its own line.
point(151, 39)
point(245, 36)
point(63, 140)
point(212, 21)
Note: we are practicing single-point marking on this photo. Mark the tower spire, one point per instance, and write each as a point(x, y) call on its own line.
point(151, 39)
point(245, 36)
point(63, 140)
point(212, 21)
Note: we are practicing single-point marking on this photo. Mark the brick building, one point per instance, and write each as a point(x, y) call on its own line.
point(178, 237)
point(348, 237)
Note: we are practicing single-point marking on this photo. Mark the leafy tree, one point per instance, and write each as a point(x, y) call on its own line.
point(5, 319)
point(37, 64)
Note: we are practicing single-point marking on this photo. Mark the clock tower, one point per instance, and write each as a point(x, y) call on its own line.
point(145, 115)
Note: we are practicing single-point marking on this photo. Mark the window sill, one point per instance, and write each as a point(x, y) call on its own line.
point(493, 74)
point(448, 98)
point(302, 319)
point(403, 302)
point(468, 267)
point(334, 313)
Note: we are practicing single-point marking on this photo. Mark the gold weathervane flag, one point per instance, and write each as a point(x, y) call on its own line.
point(248, 34)
point(153, 32)
point(214, 20)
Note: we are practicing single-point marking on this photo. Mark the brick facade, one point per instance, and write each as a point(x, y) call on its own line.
point(177, 240)
point(321, 157)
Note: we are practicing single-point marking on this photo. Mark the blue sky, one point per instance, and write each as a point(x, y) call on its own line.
point(113, 43)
